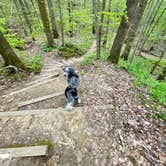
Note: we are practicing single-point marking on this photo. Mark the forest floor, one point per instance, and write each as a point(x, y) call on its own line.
point(114, 128)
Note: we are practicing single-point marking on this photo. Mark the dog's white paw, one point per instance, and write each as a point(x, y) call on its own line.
point(69, 107)
point(79, 101)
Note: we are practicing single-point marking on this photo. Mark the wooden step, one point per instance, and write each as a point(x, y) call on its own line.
point(33, 112)
point(41, 78)
point(29, 151)
point(54, 100)
point(28, 102)
point(47, 111)
point(43, 88)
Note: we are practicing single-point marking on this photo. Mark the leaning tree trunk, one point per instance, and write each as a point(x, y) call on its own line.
point(122, 31)
point(8, 55)
point(52, 18)
point(45, 21)
point(133, 28)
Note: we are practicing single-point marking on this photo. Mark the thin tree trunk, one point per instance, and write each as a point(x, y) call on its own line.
point(45, 21)
point(107, 25)
point(2, 11)
point(52, 18)
point(94, 16)
point(9, 56)
point(69, 7)
point(61, 22)
point(20, 17)
point(100, 30)
point(121, 34)
point(96, 7)
point(133, 28)
point(25, 16)
point(147, 21)
point(84, 4)
point(152, 22)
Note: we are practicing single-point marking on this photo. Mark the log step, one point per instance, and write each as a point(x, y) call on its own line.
point(30, 151)
point(39, 99)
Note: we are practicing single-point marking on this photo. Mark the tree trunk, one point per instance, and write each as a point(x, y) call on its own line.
point(69, 7)
point(23, 8)
point(9, 56)
point(61, 22)
point(45, 21)
point(20, 17)
point(121, 34)
point(94, 16)
point(100, 30)
point(96, 8)
point(133, 28)
point(52, 18)
point(107, 25)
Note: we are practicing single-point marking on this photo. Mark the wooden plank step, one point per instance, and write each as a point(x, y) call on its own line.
point(28, 102)
point(43, 78)
point(30, 112)
point(30, 151)
point(39, 89)
point(48, 111)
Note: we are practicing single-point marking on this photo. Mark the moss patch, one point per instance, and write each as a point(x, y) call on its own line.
point(70, 50)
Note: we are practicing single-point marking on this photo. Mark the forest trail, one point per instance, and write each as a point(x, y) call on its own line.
point(95, 132)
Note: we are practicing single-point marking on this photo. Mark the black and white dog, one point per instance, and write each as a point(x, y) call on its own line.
point(71, 90)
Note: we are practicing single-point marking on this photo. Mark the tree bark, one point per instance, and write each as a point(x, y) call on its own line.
point(23, 8)
point(100, 30)
point(121, 34)
point(133, 28)
point(94, 16)
point(61, 22)
point(45, 21)
point(52, 18)
point(107, 25)
point(20, 17)
point(9, 56)
point(69, 7)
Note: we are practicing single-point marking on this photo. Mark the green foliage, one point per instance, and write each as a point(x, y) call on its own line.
point(14, 41)
point(69, 50)
point(163, 115)
point(158, 34)
point(45, 48)
point(49, 143)
point(34, 64)
point(83, 72)
point(139, 68)
point(89, 59)
point(12, 38)
point(104, 55)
